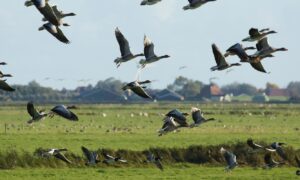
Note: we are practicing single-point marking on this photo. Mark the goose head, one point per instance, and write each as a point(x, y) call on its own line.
point(282, 49)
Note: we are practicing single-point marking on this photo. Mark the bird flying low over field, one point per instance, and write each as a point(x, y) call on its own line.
point(230, 159)
point(150, 56)
point(149, 2)
point(34, 113)
point(278, 148)
point(254, 146)
point(111, 159)
point(151, 158)
point(198, 117)
point(64, 111)
point(91, 156)
point(57, 153)
point(126, 54)
point(137, 88)
point(193, 4)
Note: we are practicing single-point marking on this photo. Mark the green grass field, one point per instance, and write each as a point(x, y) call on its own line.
point(126, 127)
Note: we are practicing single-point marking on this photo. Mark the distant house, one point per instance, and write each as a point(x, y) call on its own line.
point(168, 95)
point(210, 91)
point(277, 92)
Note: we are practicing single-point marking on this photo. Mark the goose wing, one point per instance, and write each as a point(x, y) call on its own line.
point(259, 67)
point(123, 43)
point(31, 110)
point(253, 145)
point(239, 51)
point(4, 86)
point(230, 158)
point(62, 157)
point(60, 36)
point(62, 111)
point(56, 11)
point(148, 48)
point(281, 153)
point(49, 14)
point(197, 116)
point(219, 57)
point(262, 44)
point(253, 32)
point(159, 164)
point(141, 92)
point(88, 154)
point(178, 117)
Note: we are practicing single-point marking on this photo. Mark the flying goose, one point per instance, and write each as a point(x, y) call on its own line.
point(220, 60)
point(149, 53)
point(137, 88)
point(256, 35)
point(238, 50)
point(155, 160)
point(3, 63)
point(193, 4)
point(92, 156)
point(35, 115)
point(298, 164)
point(4, 75)
point(230, 159)
point(149, 2)
point(46, 10)
point(57, 153)
point(269, 161)
point(264, 50)
point(4, 86)
point(55, 31)
point(277, 147)
point(60, 14)
point(126, 54)
point(198, 118)
point(111, 159)
point(169, 126)
point(64, 112)
point(179, 117)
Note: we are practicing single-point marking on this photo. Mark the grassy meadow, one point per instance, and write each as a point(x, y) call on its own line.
point(134, 127)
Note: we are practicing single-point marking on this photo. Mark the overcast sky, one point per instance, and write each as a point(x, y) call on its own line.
point(184, 35)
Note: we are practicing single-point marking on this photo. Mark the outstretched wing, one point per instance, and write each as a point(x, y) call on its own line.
point(159, 164)
point(62, 157)
point(88, 154)
point(123, 43)
point(4, 86)
point(262, 44)
point(31, 110)
point(259, 67)
point(219, 57)
point(197, 116)
point(141, 92)
point(61, 37)
point(148, 48)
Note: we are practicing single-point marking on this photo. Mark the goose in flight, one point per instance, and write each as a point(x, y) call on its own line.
point(240, 51)
point(264, 50)
point(60, 14)
point(137, 88)
point(298, 165)
point(149, 2)
point(5, 87)
point(63, 111)
point(179, 117)
point(169, 126)
point(126, 54)
point(256, 35)
point(46, 10)
point(55, 31)
point(151, 158)
point(277, 147)
point(220, 60)
point(57, 153)
point(111, 159)
point(34, 113)
point(198, 117)
point(4, 75)
point(92, 156)
point(193, 4)
point(255, 147)
point(230, 159)
point(3, 63)
point(270, 162)
point(149, 53)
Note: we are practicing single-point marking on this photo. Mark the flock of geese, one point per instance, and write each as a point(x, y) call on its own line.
point(173, 120)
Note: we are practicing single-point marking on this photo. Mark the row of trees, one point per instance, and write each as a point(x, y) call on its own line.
point(110, 90)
